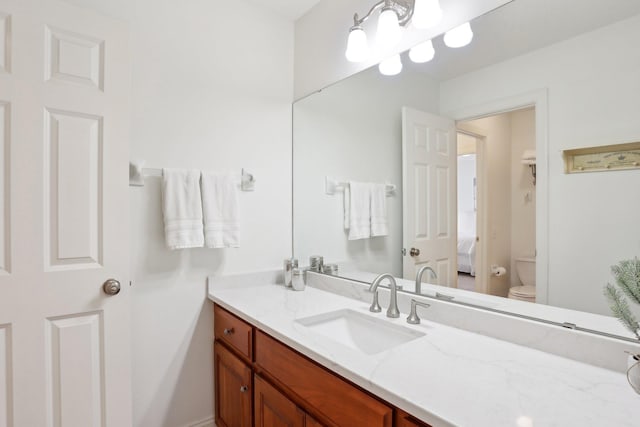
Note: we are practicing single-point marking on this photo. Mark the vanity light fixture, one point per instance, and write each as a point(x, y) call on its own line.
point(391, 66)
point(459, 36)
point(394, 14)
point(424, 52)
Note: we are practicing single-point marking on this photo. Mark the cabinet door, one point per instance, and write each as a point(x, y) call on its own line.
point(338, 401)
point(232, 389)
point(273, 409)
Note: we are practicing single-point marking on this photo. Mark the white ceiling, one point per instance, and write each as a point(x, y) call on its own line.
point(523, 26)
point(290, 9)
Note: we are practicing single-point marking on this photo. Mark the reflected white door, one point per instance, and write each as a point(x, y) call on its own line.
point(429, 156)
point(64, 343)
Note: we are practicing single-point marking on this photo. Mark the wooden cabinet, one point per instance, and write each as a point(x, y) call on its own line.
point(402, 419)
point(234, 332)
point(257, 378)
point(233, 388)
point(274, 409)
point(310, 422)
point(337, 400)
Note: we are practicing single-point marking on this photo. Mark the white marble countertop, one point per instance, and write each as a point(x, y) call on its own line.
point(449, 377)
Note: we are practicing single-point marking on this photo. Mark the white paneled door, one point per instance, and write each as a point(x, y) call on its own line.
point(429, 155)
point(64, 342)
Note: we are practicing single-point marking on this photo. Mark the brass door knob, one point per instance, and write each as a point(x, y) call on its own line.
point(414, 252)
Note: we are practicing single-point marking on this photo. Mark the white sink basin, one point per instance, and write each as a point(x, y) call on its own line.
point(359, 331)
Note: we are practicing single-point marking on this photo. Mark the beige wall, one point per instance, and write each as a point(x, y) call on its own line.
point(497, 169)
point(523, 193)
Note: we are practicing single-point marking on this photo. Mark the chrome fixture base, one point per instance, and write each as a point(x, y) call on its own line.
point(413, 315)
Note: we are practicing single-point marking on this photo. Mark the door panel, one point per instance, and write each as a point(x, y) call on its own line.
point(232, 389)
point(5, 44)
point(273, 409)
point(75, 371)
point(64, 111)
point(5, 201)
point(73, 190)
point(74, 57)
point(429, 204)
point(443, 190)
point(6, 388)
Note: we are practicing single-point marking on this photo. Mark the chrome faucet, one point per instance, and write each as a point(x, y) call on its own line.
point(393, 300)
point(413, 315)
point(419, 277)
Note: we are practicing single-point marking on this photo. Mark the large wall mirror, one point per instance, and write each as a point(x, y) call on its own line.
point(462, 161)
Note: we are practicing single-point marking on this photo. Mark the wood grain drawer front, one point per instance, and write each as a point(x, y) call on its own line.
point(341, 402)
point(273, 409)
point(233, 331)
point(232, 389)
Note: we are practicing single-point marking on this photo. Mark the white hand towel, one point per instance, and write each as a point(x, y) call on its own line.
point(360, 211)
point(379, 223)
point(182, 208)
point(220, 201)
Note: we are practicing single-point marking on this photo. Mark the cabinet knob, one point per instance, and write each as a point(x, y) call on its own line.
point(244, 389)
point(228, 331)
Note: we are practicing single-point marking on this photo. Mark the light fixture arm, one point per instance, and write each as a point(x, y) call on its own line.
point(404, 9)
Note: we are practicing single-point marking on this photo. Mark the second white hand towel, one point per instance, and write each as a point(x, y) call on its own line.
point(220, 205)
point(379, 223)
point(359, 211)
point(182, 208)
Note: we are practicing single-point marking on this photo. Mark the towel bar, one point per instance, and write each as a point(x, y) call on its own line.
point(333, 186)
point(137, 174)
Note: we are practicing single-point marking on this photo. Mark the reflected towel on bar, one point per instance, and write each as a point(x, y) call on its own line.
point(379, 222)
point(220, 206)
point(182, 208)
point(359, 210)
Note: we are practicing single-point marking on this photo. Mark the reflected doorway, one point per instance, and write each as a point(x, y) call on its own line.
point(468, 217)
point(502, 205)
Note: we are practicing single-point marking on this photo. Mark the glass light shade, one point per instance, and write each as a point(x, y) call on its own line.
point(424, 52)
point(426, 14)
point(357, 48)
point(459, 36)
point(391, 66)
point(388, 33)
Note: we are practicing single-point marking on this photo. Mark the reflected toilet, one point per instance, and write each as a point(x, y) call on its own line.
point(526, 271)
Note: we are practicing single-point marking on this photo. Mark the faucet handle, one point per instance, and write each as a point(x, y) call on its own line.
point(375, 305)
point(413, 315)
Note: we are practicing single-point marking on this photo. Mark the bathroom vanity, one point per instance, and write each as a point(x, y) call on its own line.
point(285, 355)
point(250, 365)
